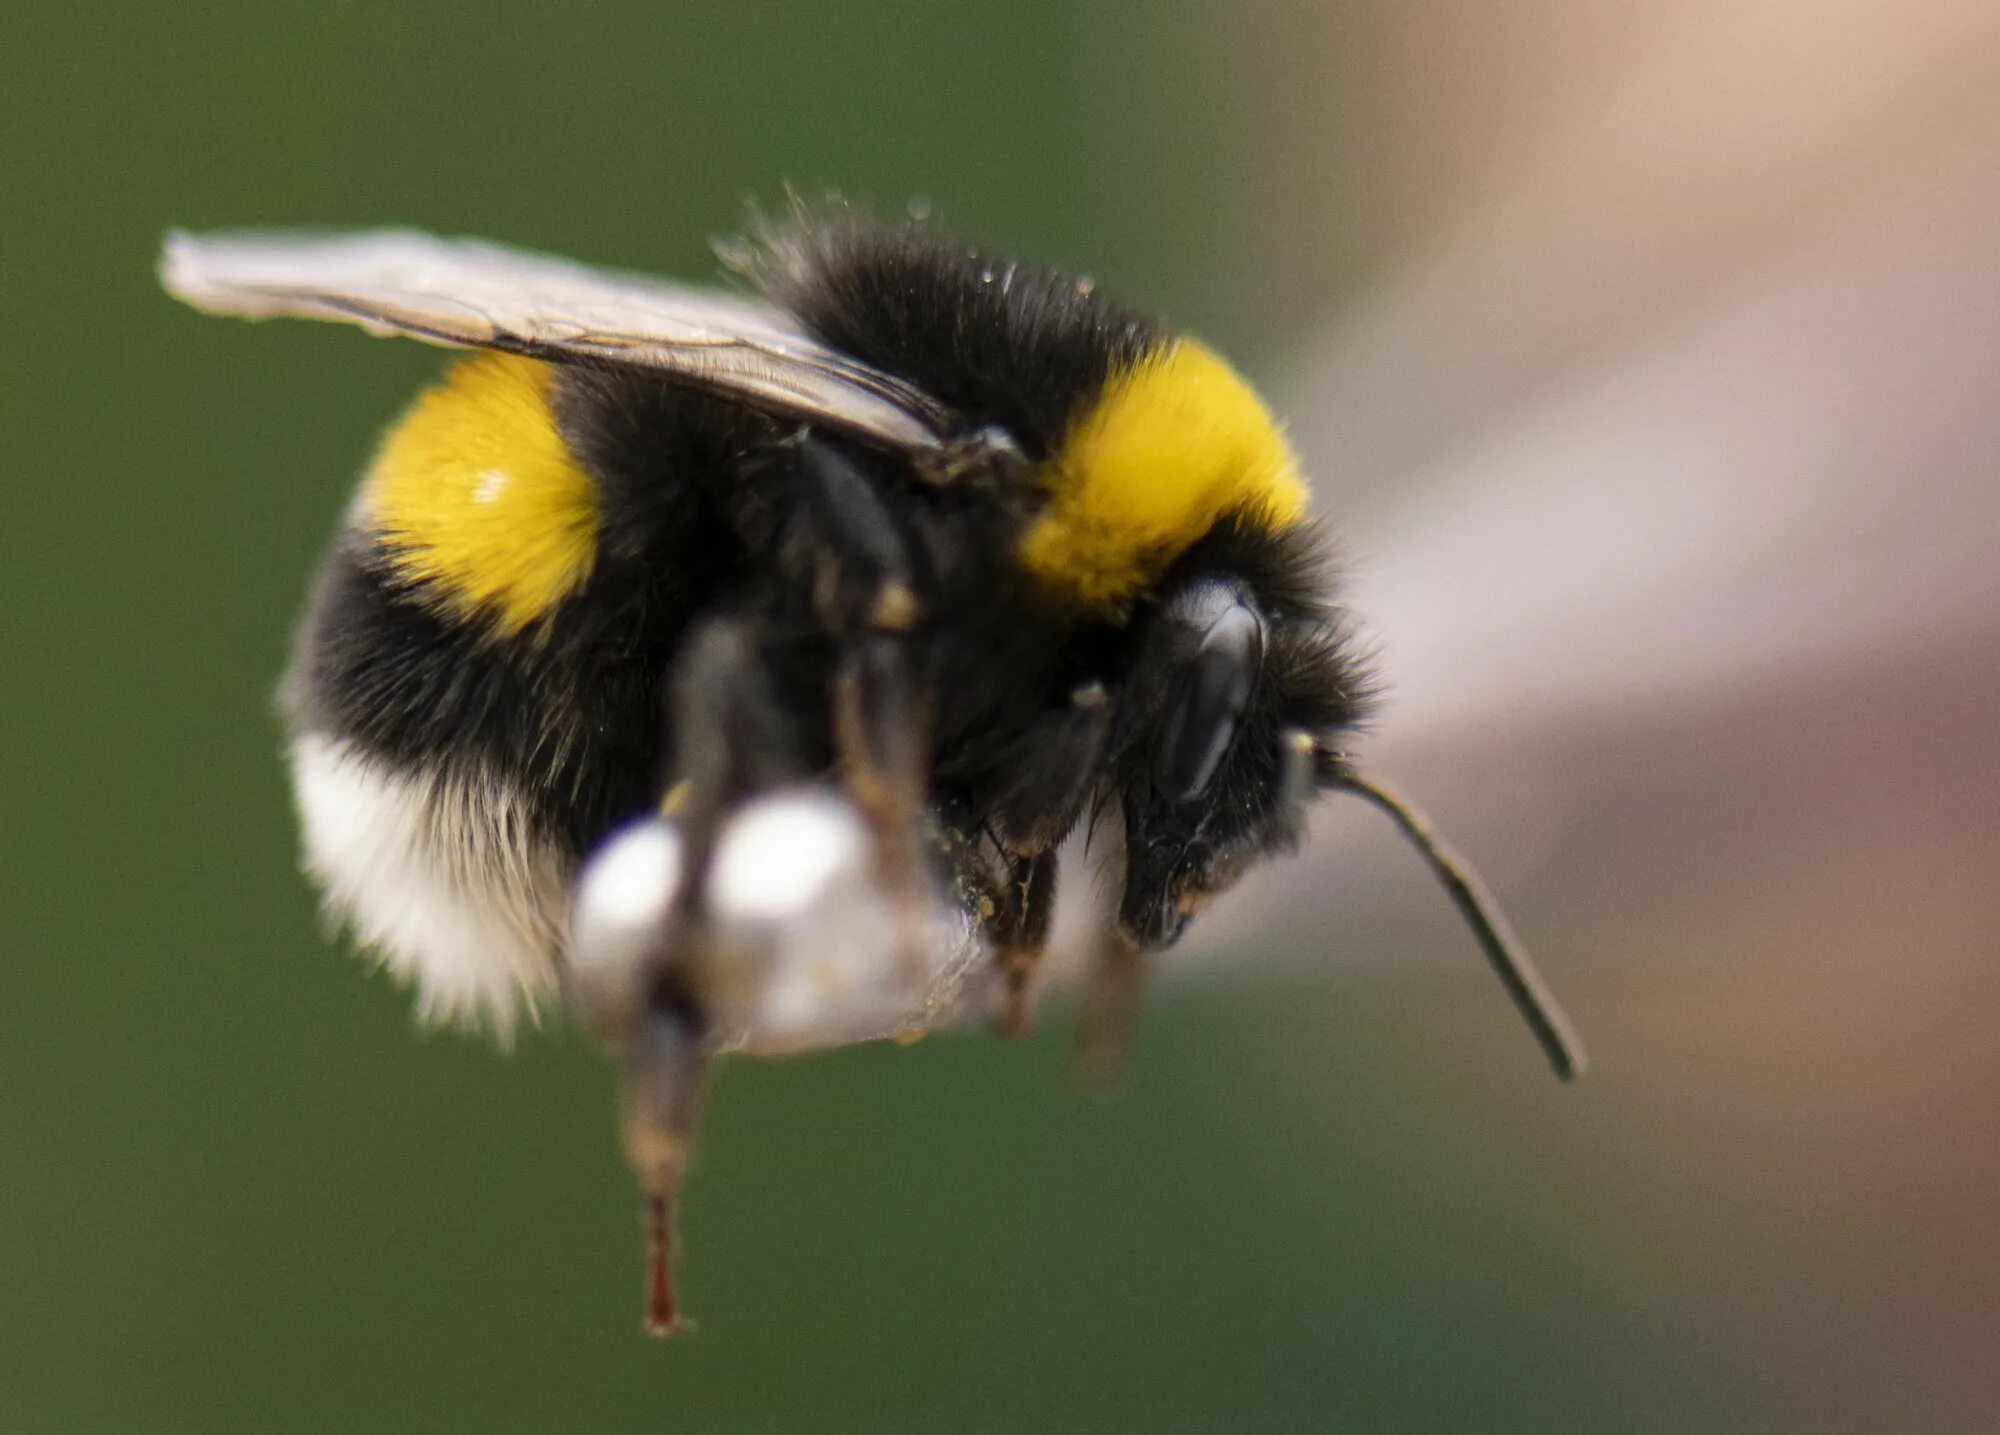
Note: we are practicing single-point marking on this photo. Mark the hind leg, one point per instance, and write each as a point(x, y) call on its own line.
point(731, 740)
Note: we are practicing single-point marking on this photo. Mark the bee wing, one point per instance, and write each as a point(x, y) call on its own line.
point(470, 294)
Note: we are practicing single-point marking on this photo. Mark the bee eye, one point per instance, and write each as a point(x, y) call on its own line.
point(1215, 689)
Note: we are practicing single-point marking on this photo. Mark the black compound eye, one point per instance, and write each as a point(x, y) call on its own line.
point(1214, 690)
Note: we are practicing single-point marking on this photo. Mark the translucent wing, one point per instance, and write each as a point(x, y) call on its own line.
point(471, 294)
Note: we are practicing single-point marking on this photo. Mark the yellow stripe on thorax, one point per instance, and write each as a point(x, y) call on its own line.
point(475, 496)
point(1172, 444)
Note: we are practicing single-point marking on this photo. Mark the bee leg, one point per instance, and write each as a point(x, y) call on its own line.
point(1022, 935)
point(1110, 1011)
point(730, 740)
point(1046, 779)
point(1044, 794)
point(666, 1067)
point(878, 732)
point(866, 593)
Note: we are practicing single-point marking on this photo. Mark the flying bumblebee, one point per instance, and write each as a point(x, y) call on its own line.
point(994, 555)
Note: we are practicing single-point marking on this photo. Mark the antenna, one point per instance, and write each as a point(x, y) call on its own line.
point(1517, 973)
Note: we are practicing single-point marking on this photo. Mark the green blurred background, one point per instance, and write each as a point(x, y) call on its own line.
point(239, 1191)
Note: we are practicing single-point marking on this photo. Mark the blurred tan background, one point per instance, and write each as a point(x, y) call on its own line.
point(1647, 355)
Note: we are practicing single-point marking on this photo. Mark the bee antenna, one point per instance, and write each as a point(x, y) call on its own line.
point(1517, 972)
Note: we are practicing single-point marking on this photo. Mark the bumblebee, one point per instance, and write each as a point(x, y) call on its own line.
point(970, 539)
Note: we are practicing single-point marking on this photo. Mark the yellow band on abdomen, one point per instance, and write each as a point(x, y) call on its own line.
point(476, 498)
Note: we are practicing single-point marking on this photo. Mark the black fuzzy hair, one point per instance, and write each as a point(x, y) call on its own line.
point(1011, 343)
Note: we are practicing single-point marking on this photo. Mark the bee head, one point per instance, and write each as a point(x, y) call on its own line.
point(1242, 675)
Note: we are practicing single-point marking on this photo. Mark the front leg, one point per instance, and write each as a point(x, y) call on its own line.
point(1021, 935)
point(1109, 1012)
point(1042, 790)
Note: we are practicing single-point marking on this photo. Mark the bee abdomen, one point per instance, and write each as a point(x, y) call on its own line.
point(443, 872)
